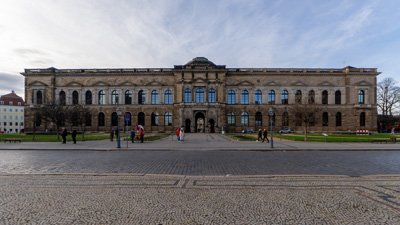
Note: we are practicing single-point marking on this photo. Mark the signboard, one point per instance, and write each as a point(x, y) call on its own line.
point(127, 117)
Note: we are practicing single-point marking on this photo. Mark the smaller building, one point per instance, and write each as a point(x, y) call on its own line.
point(11, 113)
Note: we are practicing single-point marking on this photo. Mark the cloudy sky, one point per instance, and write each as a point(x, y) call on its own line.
point(160, 34)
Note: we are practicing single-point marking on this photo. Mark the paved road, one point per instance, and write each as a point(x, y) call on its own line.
point(352, 163)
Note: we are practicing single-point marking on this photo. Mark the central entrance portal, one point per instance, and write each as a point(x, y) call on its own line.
point(199, 122)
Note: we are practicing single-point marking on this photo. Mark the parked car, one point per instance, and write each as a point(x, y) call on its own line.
point(284, 131)
point(248, 131)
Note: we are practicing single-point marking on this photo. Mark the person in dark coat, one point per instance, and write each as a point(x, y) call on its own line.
point(112, 134)
point(132, 135)
point(74, 135)
point(260, 135)
point(64, 134)
point(265, 136)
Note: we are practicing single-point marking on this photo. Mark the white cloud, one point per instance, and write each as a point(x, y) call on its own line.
point(102, 34)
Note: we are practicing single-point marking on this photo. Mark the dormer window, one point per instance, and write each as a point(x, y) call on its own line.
point(11, 103)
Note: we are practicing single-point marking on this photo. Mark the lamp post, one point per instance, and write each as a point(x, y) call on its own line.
point(119, 112)
point(271, 113)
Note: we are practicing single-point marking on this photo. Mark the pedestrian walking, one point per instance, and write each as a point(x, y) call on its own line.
point(132, 135)
point(141, 135)
point(112, 134)
point(265, 136)
point(259, 135)
point(181, 134)
point(64, 134)
point(178, 131)
point(74, 135)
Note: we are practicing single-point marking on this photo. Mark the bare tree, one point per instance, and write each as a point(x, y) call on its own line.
point(77, 115)
point(53, 113)
point(388, 96)
point(305, 115)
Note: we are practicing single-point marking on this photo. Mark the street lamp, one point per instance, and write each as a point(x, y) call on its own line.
point(119, 113)
point(271, 113)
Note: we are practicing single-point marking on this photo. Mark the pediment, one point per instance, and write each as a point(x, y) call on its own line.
point(127, 84)
point(363, 83)
point(298, 84)
point(272, 83)
point(37, 84)
point(154, 83)
point(74, 84)
point(245, 83)
point(325, 84)
point(100, 84)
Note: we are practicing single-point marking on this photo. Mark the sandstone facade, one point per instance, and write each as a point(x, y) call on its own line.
point(204, 97)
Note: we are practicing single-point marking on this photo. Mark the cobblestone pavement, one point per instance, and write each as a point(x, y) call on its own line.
point(351, 163)
point(130, 199)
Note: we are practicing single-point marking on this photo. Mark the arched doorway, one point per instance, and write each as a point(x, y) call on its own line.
point(211, 126)
point(187, 126)
point(199, 123)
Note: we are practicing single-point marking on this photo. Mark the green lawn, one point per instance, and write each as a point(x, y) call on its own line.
point(88, 137)
point(317, 137)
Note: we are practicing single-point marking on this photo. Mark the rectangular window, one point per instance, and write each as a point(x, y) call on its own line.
point(16, 110)
point(19, 103)
point(2, 102)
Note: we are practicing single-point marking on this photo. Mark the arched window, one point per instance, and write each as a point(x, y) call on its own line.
point(168, 97)
point(154, 119)
point(141, 97)
point(75, 98)
point(88, 98)
point(338, 98)
point(211, 96)
point(285, 119)
point(361, 97)
point(245, 119)
point(298, 119)
point(62, 98)
point(258, 97)
point(325, 97)
point(311, 97)
point(39, 97)
point(338, 119)
point(154, 97)
point(38, 119)
point(168, 119)
point(298, 97)
point(75, 119)
point(362, 119)
point(325, 119)
point(231, 97)
point(114, 97)
point(271, 97)
point(285, 98)
point(199, 95)
point(128, 97)
point(102, 98)
point(231, 119)
point(114, 119)
point(188, 95)
point(258, 119)
point(245, 97)
point(88, 119)
point(129, 121)
point(61, 122)
point(141, 118)
point(101, 119)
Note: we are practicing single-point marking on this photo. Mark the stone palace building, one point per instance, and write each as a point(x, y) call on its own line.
point(205, 97)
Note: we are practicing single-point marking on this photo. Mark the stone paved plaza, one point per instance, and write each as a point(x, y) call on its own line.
point(130, 199)
point(213, 181)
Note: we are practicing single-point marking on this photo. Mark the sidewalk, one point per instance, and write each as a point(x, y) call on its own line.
point(202, 142)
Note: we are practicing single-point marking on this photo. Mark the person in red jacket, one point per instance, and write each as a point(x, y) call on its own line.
point(141, 135)
point(178, 132)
